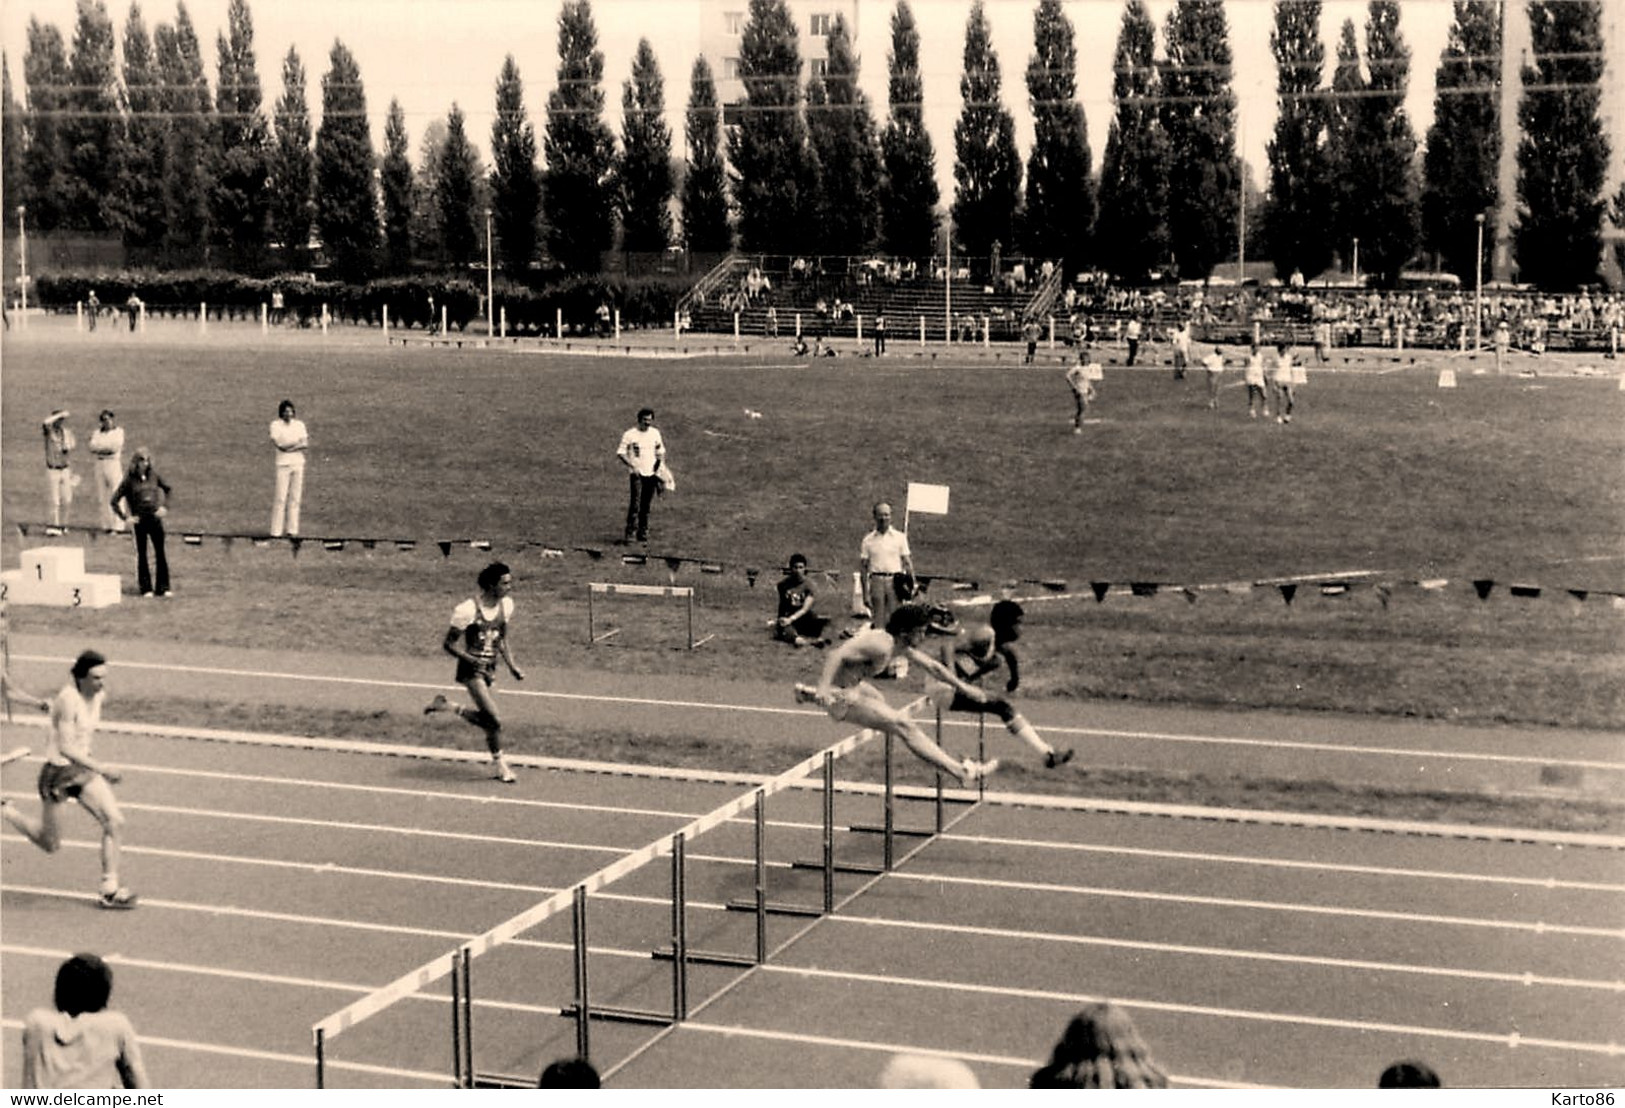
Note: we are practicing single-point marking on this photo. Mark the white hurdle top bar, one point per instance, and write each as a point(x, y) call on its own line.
point(640, 590)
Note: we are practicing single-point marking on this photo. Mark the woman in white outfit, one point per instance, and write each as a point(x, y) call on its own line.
point(292, 441)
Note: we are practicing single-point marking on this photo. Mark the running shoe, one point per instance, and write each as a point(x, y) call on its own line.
point(504, 774)
point(1055, 759)
point(438, 704)
point(119, 898)
point(806, 694)
point(974, 772)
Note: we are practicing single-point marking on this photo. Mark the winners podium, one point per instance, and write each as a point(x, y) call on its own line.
point(55, 577)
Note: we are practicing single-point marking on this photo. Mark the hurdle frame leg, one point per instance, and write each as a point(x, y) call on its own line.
point(578, 930)
point(679, 931)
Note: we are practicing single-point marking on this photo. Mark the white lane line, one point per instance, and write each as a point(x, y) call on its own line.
point(453, 937)
point(303, 1061)
point(1288, 863)
point(1523, 979)
point(271, 979)
point(1538, 927)
point(1514, 1039)
point(1157, 736)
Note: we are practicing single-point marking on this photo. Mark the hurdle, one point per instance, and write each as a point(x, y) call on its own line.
point(606, 588)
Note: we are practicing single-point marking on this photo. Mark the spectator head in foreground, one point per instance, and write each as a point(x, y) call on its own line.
point(919, 1071)
point(1409, 1075)
point(79, 1043)
point(1101, 1049)
point(569, 1073)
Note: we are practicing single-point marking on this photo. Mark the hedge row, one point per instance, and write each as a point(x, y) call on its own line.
point(642, 301)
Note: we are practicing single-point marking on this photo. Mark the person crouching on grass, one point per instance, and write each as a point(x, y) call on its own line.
point(478, 635)
point(70, 773)
point(845, 693)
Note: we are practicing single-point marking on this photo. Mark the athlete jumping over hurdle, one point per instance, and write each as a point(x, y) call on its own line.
point(845, 693)
point(977, 650)
point(70, 773)
point(478, 635)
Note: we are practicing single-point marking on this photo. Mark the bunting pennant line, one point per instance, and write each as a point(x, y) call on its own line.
point(1046, 587)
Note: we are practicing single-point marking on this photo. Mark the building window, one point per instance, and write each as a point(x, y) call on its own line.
point(730, 69)
point(817, 67)
point(821, 24)
point(735, 22)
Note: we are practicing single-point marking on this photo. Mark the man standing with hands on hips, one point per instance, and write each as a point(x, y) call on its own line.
point(642, 452)
point(886, 563)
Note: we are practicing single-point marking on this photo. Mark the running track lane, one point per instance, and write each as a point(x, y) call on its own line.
point(281, 884)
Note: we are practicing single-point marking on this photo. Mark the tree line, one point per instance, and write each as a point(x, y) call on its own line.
point(190, 176)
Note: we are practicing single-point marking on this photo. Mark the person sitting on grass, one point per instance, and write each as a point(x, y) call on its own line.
point(797, 623)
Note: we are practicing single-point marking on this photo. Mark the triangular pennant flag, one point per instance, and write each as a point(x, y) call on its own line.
point(1524, 590)
point(369, 544)
point(260, 544)
point(711, 567)
point(1578, 594)
point(1483, 588)
point(192, 539)
point(479, 544)
point(96, 533)
point(1053, 586)
point(1433, 583)
point(674, 564)
point(405, 546)
point(294, 543)
point(1238, 588)
point(633, 560)
point(1100, 588)
point(229, 542)
point(1288, 591)
point(1383, 593)
point(1143, 588)
point(1334, 588)
point(333, 544)
point(750, 576)
point(445, 547)
point(22, 529)
point(1189, 594)
point(595, 555)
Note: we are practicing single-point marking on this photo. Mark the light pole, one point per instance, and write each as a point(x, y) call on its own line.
point(22, 276)
point(1478, 287)
point(1356, 260)
point(490, 301)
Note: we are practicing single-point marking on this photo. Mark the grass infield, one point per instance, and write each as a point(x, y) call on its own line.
point(1513, 479)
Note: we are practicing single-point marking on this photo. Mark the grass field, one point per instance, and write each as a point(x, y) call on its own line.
point(1514, 479)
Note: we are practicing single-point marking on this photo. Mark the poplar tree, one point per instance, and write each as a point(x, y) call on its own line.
point(346, 201)
point(841, 132)
point(1563, 152)
point(645, 174)
point(13, 179)
point(1385, 193)
point(293, 167)
point(454, 194)
point(241, 203)
point(705, 188)
point(987, 169)
point(138, 190)
point(190, 109)
point(90, 127)
point(1343, 136)
point(908, 191)
point(1199, 118)
point(45, 72)
point(773, 177)
point(1616, 216)
point(579, 147)
point(1060, 211)
point(1300, 186)
point(1459, 170)
point(395, 187)
point(1131, 236)
point(516, 182)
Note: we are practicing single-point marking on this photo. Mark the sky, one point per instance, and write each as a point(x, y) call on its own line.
point(430, 54)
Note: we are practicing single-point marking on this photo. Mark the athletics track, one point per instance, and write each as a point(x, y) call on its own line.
point(281, 884)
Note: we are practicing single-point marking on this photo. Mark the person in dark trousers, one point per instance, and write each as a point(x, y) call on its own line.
point(642, 451)
point(880, 334)
point(145, 495)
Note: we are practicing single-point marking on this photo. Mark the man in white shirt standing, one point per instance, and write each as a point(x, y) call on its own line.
point(886, 562)
point(642, 452)
point(107, 447)
point(292, 441)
